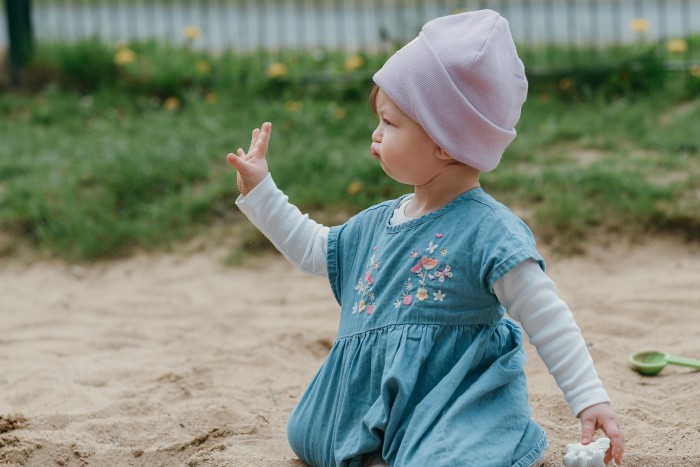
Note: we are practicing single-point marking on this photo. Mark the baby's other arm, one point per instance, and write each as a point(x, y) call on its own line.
point(531, 298)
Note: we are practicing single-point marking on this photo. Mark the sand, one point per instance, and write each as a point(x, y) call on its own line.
point(179, 360)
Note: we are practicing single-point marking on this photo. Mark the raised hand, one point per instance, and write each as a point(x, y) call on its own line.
point(252, 166)
point(602, 416)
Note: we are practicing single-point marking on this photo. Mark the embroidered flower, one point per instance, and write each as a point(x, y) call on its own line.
point(364, 288)
point(428, 263)
point(430, 274)
point(418, 267)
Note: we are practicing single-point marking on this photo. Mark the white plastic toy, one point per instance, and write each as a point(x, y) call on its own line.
point(591, 455)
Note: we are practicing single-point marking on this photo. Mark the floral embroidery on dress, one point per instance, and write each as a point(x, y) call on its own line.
point(364, 288)
point(427, 273)
point(430, 272)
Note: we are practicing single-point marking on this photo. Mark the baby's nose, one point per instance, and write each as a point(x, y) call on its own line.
point(377, 135)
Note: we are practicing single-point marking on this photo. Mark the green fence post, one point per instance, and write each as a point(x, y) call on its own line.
point(19, 28)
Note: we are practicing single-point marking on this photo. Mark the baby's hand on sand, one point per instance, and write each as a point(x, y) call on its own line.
point(252, 167)
point(604, 417)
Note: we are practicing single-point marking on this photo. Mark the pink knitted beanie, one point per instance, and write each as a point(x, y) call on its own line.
point(462, 81)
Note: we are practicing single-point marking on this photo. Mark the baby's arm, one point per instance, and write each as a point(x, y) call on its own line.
point(302, 241)
point(531, 298)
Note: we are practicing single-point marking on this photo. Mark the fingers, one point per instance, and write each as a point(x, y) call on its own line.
point(259, 141)
point(617, 441)
point(587, 430)
point(238, 160)
point(254, 139)
point(263, 140)
point(234, 160)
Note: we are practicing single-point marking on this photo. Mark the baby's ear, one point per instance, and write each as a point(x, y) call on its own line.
point(441, 154)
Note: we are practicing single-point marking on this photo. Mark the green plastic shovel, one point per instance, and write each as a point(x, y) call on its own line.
point(650, 362)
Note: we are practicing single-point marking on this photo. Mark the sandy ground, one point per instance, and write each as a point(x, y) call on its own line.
point(178, 360)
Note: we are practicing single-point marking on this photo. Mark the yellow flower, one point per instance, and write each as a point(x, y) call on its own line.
point(124, 56)
point(695, 71)
point(566, 83)
point(277, 70)
point(340, 113)
point(355, 187)
point(353, 62)
point(639, 25)
point(192, 32)
point(677, 46)
point(203, 67)
point(210, 98)
point(172, 103)
point(293, 106)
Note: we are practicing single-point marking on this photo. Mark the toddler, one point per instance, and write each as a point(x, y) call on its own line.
point(426, 369)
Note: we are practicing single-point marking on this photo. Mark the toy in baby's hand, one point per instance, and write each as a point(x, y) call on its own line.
point(591, 455)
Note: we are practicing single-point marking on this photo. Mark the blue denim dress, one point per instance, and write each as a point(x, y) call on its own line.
point(425, 367)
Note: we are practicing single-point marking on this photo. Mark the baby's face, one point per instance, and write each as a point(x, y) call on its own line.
point(402, 147)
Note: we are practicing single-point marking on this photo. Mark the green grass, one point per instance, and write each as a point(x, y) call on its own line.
point(94, 169)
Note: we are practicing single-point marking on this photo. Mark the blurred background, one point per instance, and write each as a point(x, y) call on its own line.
point(116, 116)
